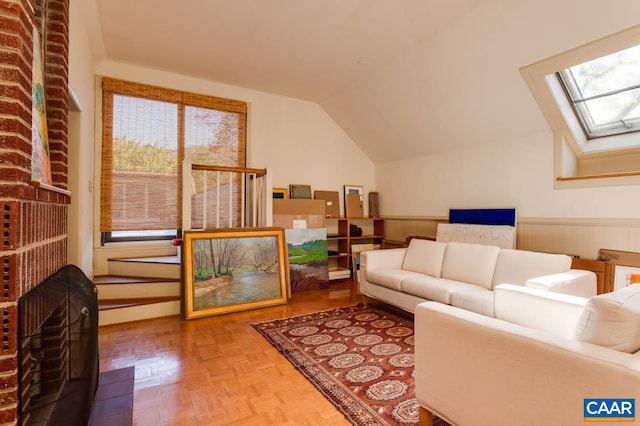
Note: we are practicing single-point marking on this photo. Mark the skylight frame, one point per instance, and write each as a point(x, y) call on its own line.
point(577, 161)
point(585, 105)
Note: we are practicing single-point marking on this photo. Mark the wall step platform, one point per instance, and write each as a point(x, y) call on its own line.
point(156, 267)
point(138, 289)
point(116, 311)
point(118, 287)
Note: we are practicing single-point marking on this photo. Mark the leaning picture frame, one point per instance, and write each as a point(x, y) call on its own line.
point(280, 193)
point(233, 269)
point(353, 201)
point(354, 190)
point(297, 191)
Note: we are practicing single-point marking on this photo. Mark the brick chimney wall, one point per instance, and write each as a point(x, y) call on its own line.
point(33, 245)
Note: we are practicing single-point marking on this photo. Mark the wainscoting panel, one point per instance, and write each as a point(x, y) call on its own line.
point(398, 229)
point(575, 236)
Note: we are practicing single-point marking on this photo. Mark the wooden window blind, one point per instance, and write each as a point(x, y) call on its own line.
point(146, 133)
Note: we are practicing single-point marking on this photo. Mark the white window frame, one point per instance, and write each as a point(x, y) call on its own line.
point(572, 153)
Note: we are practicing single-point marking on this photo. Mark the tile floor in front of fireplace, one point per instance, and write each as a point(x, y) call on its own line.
point(113, 405)
point(218, 370)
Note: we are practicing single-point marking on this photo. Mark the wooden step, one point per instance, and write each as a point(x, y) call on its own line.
point(106, 304)
point(124, 298)
point(156, 267)
point(118, 287)
point(116, 311)
point(171, 260)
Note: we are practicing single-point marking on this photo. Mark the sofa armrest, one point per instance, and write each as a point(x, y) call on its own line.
point(554, 313)
point(387, 258)
point(473, 369)
point(576, 282)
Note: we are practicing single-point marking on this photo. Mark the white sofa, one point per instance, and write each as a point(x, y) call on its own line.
point(463, 274)
point(533, 364)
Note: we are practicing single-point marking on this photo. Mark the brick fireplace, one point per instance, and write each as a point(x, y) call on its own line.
point(58, 350)
point(33, 245)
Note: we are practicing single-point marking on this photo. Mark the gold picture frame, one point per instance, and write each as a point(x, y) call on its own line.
point(280, 193)
point(233, 269)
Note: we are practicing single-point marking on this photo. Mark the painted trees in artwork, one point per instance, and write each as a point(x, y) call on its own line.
point(218, 257)
point(224, 253)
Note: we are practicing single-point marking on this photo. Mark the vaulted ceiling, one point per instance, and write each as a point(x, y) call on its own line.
point(403, 78)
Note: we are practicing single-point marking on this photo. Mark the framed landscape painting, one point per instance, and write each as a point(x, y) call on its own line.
point(233, 269)
point(308, 260)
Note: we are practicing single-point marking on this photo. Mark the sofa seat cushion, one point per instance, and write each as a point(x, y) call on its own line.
point(390, 277)
point(470, 263)
point(430, 288)
point(424, 256)
point(519, 266)
point(612, 320)
point(473, 298)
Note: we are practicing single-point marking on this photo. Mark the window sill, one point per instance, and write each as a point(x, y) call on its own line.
point(598, 176)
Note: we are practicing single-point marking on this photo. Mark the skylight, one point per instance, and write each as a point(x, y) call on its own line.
point(605, 93)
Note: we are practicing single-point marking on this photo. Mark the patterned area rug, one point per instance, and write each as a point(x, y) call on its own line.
point(360, 358)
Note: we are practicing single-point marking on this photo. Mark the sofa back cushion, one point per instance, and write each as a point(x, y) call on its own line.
point(612, 320)
point(518, 266)
point(470, 263)
point(424, 256)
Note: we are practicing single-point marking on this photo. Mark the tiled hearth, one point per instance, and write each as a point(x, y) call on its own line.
point(113, 405)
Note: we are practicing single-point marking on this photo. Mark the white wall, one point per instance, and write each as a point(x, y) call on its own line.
point(80, 222)
point(515, 173)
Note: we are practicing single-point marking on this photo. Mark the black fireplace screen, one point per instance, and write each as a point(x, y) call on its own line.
point(58, 350)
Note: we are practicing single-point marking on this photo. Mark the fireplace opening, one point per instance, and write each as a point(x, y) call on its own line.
point(58, 350)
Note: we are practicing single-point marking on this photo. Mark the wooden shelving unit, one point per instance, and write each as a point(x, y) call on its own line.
point(339, 238)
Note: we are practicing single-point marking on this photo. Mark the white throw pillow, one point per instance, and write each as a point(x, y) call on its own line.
point(424, 256)
point(612, 320)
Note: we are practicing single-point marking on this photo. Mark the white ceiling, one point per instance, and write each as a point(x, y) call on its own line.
point(403, 78)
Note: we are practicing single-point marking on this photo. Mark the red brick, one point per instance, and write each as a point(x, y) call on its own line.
point(8, 415)
point(58, 5)
point(9, 362)
point(9, 340)
point(57, 38)
point(9, 7)
point(58, 103)
point(8, 382)
point(10, 24)
point(13, 174)
point(9, 74)
point(10, 58)
point(10, 229)
point(16, 142)
point(14, 92)
point(16, 159)
point(8, 40)
point(45, 217)
point(16, 109)
point(17, 191)
point(56, 54)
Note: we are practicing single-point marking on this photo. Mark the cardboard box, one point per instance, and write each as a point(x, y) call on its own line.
point(332, 202)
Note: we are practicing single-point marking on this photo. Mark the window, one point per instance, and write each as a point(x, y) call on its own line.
point(605, 93)
point(590, 97)
point(146, 134)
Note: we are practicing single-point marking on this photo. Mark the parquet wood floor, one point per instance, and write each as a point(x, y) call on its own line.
point(218, 370)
